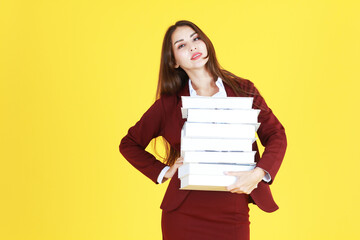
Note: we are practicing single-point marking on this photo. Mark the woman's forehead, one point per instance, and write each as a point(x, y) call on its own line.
point(181, 33)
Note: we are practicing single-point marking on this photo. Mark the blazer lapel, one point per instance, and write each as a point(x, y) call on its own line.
point(228, 90)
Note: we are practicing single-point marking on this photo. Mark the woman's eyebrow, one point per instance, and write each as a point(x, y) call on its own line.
point(183, 39)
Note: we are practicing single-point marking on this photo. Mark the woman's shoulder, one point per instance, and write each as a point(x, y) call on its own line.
point(248, 88)
point(246, 85)
point(168, 98)
point(167, 102)
point(240, 82)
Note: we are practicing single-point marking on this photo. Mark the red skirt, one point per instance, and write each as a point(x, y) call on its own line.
point(203, 216)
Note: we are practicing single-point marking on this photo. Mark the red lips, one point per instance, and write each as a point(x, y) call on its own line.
point(196, 55)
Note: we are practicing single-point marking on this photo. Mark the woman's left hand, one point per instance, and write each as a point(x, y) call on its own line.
point(246, 181)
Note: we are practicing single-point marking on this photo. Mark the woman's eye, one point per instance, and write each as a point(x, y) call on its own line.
point(197, 38)
point(180, 46)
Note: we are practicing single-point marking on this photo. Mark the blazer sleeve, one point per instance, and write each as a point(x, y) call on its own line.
point(133, 145)
point(272, 136)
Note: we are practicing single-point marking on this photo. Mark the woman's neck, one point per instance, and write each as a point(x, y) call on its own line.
point(203, 82)
point(201, 79)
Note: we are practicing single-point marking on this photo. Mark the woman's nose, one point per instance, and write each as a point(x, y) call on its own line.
point(192, 47)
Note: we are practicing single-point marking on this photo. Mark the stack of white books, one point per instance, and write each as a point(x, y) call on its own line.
point(217, 137)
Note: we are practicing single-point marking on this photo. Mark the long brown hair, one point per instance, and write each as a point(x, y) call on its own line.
point(172, 79)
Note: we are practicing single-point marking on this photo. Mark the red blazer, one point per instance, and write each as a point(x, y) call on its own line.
point(163, 118)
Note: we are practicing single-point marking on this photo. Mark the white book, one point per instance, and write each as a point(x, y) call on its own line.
point(207, 182)
point(218, 157)
point(218, 102)
point(221, 115)
point(211, 168)
point(215, 144)
point(219, 130)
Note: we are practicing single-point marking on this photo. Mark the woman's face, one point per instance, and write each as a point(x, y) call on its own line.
point(189, 51)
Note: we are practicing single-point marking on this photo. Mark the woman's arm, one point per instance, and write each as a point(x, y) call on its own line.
point(272, 136)
point(132, 146)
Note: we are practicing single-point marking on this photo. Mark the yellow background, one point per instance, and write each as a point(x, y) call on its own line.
point(75, 75)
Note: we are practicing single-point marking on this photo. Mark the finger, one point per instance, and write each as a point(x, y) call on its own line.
point(237, 191)
point(240, 192)
point(251, 189)
point(177, 165)
point(230, 187)
point(233, 188)
point(234, 173)
point(231, 173)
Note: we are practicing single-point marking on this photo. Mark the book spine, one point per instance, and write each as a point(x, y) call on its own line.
point(219, 130)
point(219, 157)
point(221, 115)
point(198, 182)
point(211, 169)
point(206, 144)
point(217, 103)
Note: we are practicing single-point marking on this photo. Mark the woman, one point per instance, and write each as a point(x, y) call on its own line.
point(188, 68)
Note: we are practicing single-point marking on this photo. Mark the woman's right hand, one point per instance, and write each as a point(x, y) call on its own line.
point(170, 173)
